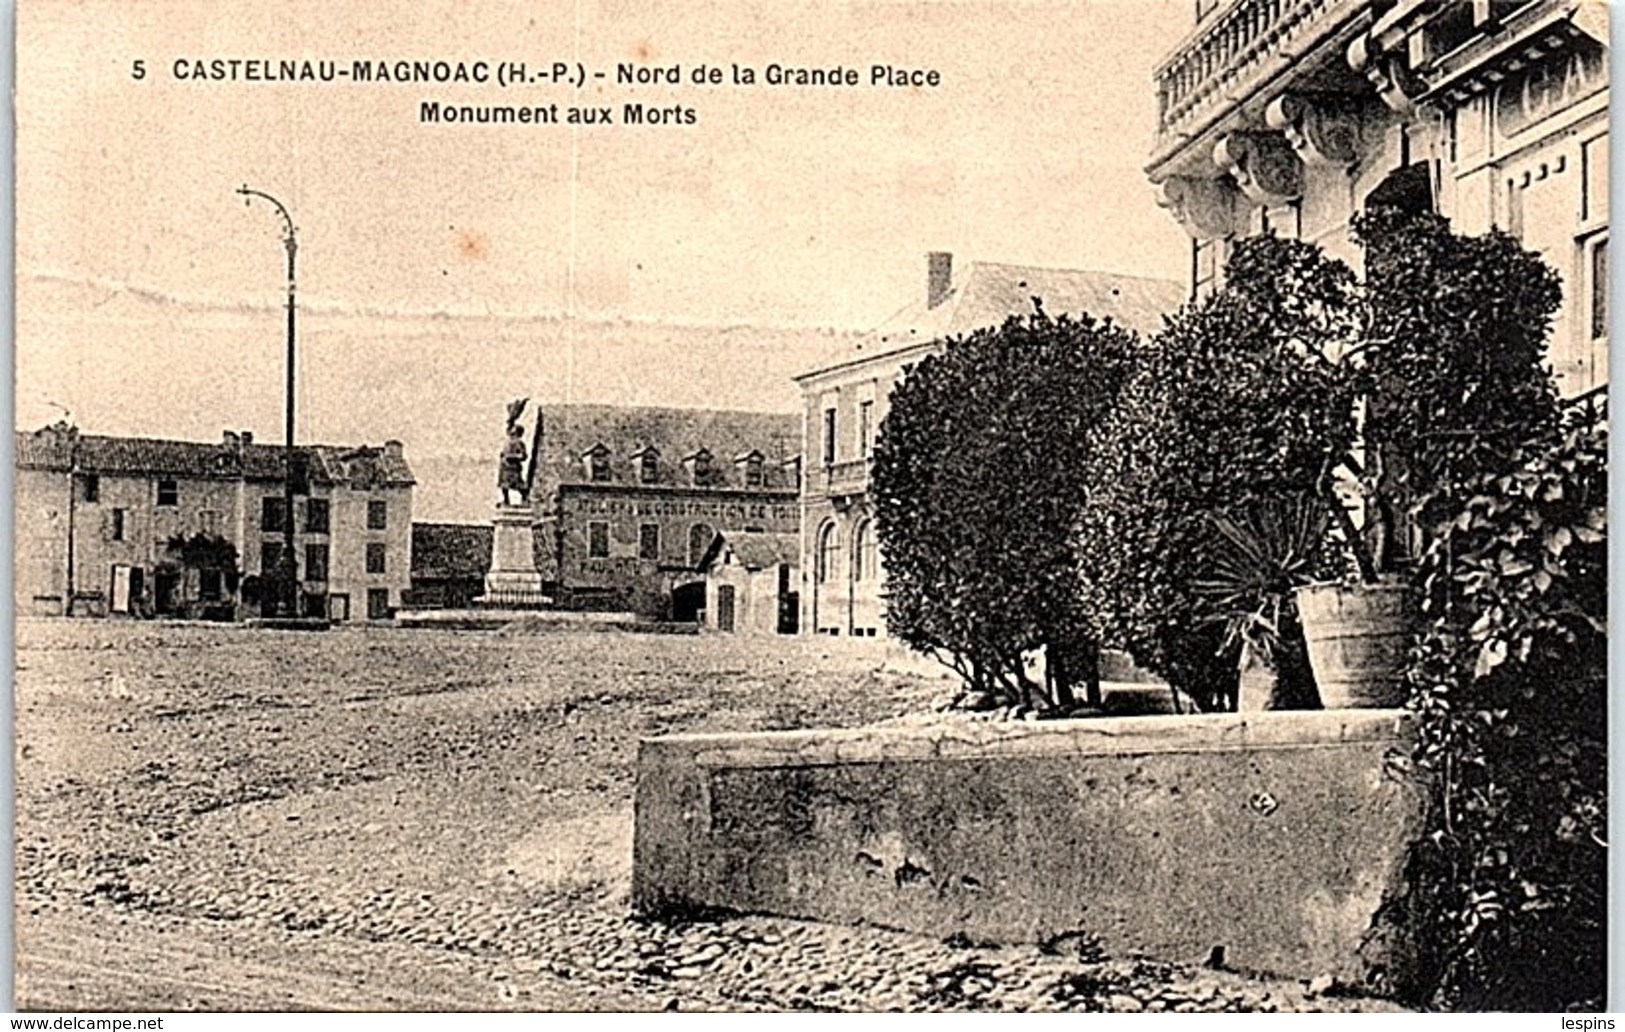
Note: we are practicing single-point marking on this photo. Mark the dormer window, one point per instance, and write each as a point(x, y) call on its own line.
point(597, 461)
point(701, 471)
point(646, 465)
point(751, 464)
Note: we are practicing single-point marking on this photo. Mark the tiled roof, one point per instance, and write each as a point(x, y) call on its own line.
point(755, 550)
point(362, 466)
point(760, 551)
point(55, 448)
point(149, 456)
point(450, 550)
point(990, 292)
point(41, 449)
point(570, 431)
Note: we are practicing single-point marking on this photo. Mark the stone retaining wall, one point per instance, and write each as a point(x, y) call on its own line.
point(1268, 841)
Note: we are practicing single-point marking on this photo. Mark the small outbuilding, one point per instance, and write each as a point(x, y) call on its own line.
point(449, 563)
point(750, 580)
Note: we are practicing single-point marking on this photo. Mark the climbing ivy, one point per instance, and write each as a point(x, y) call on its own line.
point(1510, 684)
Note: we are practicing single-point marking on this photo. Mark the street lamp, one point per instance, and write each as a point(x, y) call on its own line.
point(290, 565)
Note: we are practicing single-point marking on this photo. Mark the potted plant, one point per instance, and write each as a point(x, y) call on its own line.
point(1448, 367)
point(1258, 556)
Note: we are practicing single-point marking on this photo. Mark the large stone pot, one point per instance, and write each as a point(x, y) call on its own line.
point(1358, 637)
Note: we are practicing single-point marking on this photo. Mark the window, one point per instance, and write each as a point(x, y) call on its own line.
point(378, 603)
point(702, 468)
point(598, 464)
point(1205, 267)
point(753, 471)
point(299, 473)
point(318, 513)
point(864, 559)
point(93, 488)
point(1594, 186)
point(649, 541)
point(597, 540)
point(376, 553)
point(377, 515)
point(829, 553)
point(271, 513)
point(1599, 289)
point(209, 585)
point(648, 466)
point(168, 493)
point(866, 413)
point(116, 528)
point(829, 437)
point(270, 557)
point(699, 539)
point(316, 562)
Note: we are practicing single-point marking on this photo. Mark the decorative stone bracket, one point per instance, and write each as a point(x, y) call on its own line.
point(1264, 166)
point(1388, 73)
point(1323, 130)
point(1205, 208)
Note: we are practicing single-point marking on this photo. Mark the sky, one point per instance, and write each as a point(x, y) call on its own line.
point(444, 269)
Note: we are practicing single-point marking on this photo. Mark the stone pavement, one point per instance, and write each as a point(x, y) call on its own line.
point(224, 819)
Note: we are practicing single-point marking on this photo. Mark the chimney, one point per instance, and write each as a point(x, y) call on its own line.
point(230, 441)
point(248, 437)
point(939, 277)
point(393, 449)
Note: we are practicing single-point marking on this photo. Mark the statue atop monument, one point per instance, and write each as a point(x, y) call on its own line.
point(511, 467)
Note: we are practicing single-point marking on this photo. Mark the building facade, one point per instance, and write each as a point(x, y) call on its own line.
point(751, 583)
point(841, 569)
point(628, 499)
point(1292, 115)
point(146, 526)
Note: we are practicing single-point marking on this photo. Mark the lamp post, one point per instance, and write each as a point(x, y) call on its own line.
point(290, 564)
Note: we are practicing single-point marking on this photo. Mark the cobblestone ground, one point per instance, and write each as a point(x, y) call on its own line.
point(222, 818)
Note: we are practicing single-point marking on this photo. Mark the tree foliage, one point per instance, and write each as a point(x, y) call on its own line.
point(1451, 363)
point(203, 551)
point(980, 468)
point(1236, 405)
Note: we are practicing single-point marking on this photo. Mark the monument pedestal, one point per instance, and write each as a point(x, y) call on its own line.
point(513, 582)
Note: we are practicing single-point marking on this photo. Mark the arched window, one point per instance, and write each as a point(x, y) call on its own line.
point(699, 539)
point(829, 551)
point(865, 560)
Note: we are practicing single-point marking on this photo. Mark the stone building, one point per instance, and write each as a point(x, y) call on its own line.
point(842, 572)
point(751, 583)
point(148, 526)
point(628, 499)
point(1291, 115)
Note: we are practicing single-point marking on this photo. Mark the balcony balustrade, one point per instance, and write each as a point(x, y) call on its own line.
point(1237, 48)
point(842, 478)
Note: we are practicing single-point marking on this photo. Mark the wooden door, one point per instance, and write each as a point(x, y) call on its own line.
point(725, 607)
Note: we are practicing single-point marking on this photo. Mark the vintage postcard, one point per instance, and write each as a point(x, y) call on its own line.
point(891, 505)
